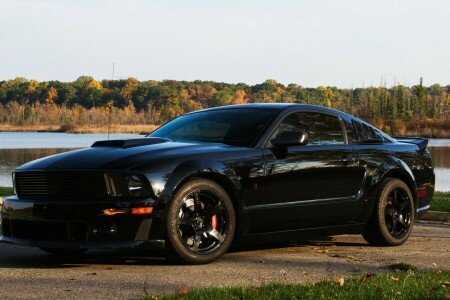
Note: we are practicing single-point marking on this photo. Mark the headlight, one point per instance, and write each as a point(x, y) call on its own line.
point(127, 185)
point(135, 186)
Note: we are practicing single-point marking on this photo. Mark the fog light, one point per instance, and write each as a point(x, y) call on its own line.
point(106, 229)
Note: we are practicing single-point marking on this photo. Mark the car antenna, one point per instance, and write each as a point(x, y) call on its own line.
point(109, 110)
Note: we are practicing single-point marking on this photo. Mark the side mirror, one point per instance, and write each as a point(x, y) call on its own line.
point(290, 138)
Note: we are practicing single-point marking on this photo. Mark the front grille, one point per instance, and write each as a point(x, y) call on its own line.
point(59, 185)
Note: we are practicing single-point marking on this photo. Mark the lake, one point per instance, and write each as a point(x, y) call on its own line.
point(17, 148)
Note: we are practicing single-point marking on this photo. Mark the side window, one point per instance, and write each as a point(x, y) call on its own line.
point(351, 133)
point(367, 134)
point(322, 129)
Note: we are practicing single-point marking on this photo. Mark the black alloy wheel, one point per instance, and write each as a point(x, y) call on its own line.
point(201, 223)
point(392, 220)
point(397, 213)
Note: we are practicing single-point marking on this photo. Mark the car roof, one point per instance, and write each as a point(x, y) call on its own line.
point(280, 107)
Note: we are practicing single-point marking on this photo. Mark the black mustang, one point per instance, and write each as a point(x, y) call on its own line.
point(243, 173)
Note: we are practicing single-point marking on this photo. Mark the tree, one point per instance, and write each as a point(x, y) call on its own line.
point(328, 95)
point(52, 94)
point(223, 97)
point(129, 89)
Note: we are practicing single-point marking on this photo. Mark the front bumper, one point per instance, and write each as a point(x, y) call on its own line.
point(149, 244)
point(78, 224)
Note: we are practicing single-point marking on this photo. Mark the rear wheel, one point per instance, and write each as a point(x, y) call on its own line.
point(201, 223)
point(392, 220)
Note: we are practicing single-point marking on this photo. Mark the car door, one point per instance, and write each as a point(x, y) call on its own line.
point(311, 185)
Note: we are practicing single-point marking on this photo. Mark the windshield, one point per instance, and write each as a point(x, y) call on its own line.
point(237, 127)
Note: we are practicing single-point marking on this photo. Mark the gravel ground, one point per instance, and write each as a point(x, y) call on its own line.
point(28, 273)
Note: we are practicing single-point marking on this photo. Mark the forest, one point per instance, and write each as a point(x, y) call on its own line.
point(129, 104)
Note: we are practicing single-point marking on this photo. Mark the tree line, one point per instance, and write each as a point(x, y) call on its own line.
point(86, 101)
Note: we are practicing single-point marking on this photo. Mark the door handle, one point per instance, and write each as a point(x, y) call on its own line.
point(346, 159)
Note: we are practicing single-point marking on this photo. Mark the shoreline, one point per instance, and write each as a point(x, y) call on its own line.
point(124, 129)
point(142, 129)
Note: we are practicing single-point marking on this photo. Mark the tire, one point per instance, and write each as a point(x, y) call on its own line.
point(392, 220)
point(200, 223)
point(63, 252)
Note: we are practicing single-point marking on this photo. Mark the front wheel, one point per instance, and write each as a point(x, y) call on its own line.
point(392, 220)
point(200, 224)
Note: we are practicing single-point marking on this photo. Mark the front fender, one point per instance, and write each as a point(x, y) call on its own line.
point(199, 168)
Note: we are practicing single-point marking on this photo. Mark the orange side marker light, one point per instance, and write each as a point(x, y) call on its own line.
point(141, 210)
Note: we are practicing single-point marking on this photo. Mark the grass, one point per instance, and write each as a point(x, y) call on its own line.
point(403, 285)
point(440, 201)
point(6, 191)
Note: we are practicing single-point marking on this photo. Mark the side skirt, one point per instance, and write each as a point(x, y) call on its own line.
point(298, 235)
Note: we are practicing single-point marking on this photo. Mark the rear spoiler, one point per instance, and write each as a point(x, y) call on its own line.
point(421, 142)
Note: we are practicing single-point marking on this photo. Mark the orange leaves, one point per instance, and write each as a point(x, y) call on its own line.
point(240, 97)
point(339, 281)
point(183, 290)
point(93, 84)
point(393, 278)
point(51, 96)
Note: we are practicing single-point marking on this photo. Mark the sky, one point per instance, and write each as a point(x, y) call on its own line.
point(345, 43)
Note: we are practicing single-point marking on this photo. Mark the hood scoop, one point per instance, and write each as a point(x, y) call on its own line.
point(130, 143)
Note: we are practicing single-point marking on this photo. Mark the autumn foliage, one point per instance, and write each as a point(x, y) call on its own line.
point(87, 102)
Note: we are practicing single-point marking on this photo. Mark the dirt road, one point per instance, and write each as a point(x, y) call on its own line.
point(27, 273)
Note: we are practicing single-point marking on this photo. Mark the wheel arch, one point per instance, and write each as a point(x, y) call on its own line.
point(406, 177)
point(205, 169)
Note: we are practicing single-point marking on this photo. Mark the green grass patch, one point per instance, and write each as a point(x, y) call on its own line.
point(6, 191)
point(440, 201)
point(408, 285)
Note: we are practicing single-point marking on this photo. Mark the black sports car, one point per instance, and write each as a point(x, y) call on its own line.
point(245, 173)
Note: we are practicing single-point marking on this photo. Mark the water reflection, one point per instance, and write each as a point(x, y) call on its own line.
point(441, 161)
point(441, 157)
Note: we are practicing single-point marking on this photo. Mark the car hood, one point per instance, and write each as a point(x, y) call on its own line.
point(122, 155)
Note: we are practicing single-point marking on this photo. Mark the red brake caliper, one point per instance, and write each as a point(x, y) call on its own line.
point(214, 221)
point(387, 203)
